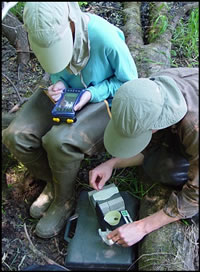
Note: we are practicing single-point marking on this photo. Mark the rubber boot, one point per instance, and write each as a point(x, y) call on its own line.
point(41, 170)
point(41, 204)
point(60, 209)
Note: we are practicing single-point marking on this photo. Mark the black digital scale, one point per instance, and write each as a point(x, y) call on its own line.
point(86, 251)
point(64, 108)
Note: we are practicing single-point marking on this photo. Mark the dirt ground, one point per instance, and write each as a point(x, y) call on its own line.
point(20, 246)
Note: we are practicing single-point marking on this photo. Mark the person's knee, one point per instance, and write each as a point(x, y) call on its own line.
point(19, 140)
point(61, 145)
point(9, 138)
point(54, 142)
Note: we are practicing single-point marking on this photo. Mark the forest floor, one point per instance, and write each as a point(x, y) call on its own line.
point(20, 246)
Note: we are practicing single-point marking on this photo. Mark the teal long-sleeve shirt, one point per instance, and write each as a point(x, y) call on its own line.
point(110, 63)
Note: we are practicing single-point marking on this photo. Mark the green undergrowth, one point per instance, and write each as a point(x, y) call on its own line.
point(128, 179)
point(18, 10)
point(185, 41)
point(159, 24)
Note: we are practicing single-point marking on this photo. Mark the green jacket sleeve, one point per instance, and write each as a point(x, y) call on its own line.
point(124, 69)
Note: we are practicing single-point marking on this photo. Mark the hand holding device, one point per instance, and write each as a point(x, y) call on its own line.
point(56, 90)
point(85, 98)
point(64, 108)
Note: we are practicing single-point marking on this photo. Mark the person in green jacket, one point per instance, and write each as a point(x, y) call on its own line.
point(155, 123)
point(78, 50)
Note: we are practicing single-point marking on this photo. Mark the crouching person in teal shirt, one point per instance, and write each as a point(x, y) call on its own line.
point(78, 50)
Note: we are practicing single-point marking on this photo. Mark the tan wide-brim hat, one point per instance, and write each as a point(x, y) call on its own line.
point(122, 146)
point(49, 34)
point(138, 107)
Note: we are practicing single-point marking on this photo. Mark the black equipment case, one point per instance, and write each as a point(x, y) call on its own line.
point(87, 251)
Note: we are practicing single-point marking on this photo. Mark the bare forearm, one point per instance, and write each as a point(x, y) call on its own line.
point(132, 233)
point(156, 221)
point(122, 163)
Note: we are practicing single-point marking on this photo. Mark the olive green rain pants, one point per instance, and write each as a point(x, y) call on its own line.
point(53, 152)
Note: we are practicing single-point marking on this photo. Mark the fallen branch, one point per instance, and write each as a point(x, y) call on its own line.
point(40, 254)
point(152, 57)
point(17, 36)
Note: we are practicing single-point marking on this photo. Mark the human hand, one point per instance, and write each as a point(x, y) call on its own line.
point(56, 90)
point(128, 234)
point(99, 175)
point(85, 98)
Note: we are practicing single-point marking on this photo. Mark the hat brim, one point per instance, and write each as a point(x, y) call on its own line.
point(124, 147)
point(55, 58)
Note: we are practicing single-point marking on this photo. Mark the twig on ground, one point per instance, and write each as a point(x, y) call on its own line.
point(12, 27)
point(40, 254)
point(20, 99)
point(13, 261)
point(22, 260)
point(3, 260)
point(57, 246)
point(24, 51)
point(7, 265)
